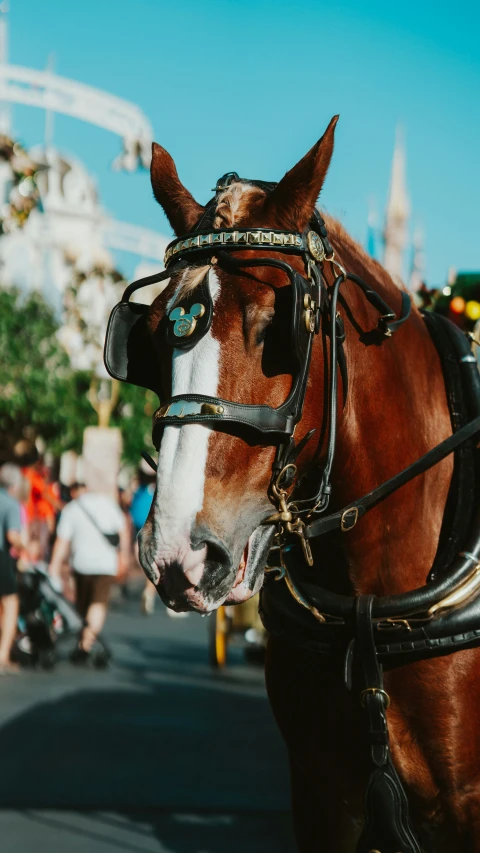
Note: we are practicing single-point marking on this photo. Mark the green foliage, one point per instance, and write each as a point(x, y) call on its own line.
point(40, 393)
point(133, 414)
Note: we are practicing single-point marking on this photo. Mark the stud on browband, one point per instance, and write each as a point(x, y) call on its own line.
point(185, 323)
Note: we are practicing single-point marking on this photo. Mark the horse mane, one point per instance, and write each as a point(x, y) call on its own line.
point(354, 256)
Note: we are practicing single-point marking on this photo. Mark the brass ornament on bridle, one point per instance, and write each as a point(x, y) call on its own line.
point(315, 246)
point(185, 323)
point(310, 313)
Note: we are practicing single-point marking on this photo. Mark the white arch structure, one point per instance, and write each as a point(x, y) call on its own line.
point(57, 94)
point(54, 94)
point(133, 238)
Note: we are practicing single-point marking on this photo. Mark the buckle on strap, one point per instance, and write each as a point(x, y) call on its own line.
point(187, 408)
point(349, 518)
point(374, 691)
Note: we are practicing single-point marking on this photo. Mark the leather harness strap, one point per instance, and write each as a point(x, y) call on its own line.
point(153, 279)
point(346, 518)
point(264, 419)
point(372, 695)
point(387, 825)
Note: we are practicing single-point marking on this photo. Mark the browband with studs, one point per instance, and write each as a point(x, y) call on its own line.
point(232, 238)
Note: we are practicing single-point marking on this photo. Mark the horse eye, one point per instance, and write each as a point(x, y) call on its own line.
point(262, 333)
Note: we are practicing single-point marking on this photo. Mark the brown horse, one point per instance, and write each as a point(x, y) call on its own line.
point(206, 542)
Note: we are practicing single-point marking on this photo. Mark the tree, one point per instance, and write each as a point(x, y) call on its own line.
point(40, 393)
point(133, 414)
point(88, 300)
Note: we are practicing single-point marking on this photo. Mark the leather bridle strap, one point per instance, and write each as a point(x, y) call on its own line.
point(199, 408)
point(387, 322)
point(153, 279)
point(346, 518)
point(387, 325)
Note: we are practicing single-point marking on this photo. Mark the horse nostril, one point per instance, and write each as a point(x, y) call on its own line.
point(217, 553)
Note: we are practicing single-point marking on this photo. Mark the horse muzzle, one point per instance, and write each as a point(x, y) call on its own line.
point(200, 572)
point(190, 572)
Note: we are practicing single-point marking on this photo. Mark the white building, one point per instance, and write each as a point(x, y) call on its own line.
point(70, 228)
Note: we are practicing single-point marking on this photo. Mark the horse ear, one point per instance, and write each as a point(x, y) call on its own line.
point(182, 210)
point(292, 202)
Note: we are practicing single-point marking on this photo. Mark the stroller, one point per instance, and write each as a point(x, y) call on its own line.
point(45, 616)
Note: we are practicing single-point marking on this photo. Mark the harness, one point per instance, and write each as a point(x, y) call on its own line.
point(366, 632)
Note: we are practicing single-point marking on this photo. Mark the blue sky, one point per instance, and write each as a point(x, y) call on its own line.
point(250, 85)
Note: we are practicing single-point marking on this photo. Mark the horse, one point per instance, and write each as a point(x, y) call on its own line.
point(210, 528)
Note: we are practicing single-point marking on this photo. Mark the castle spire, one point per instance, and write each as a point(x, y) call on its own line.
point(398, 211)
point(372, 222)
point(418, 262)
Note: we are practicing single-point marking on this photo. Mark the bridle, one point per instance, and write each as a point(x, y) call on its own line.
point(313, 303)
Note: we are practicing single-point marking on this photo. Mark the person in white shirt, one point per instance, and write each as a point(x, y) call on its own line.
point(92, 530)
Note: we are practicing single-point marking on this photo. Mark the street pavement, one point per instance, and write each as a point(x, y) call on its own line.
point(158, 753)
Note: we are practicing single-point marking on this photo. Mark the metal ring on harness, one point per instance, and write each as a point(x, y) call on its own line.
point(277, 489)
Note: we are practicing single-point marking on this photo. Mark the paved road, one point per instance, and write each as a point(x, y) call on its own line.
point(157, 754)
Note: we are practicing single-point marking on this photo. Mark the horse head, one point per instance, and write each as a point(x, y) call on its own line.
point(206, 541)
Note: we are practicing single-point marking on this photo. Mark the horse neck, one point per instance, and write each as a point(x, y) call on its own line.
point(396, 411)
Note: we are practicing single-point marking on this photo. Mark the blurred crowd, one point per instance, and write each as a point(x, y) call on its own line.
point(61, 545)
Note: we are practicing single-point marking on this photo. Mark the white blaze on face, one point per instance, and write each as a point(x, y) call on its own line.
point(184, 450)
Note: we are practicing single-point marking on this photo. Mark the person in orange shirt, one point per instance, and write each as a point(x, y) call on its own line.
point(42, 505)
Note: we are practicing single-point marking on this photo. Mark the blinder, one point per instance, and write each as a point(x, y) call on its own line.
point(129, 353)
